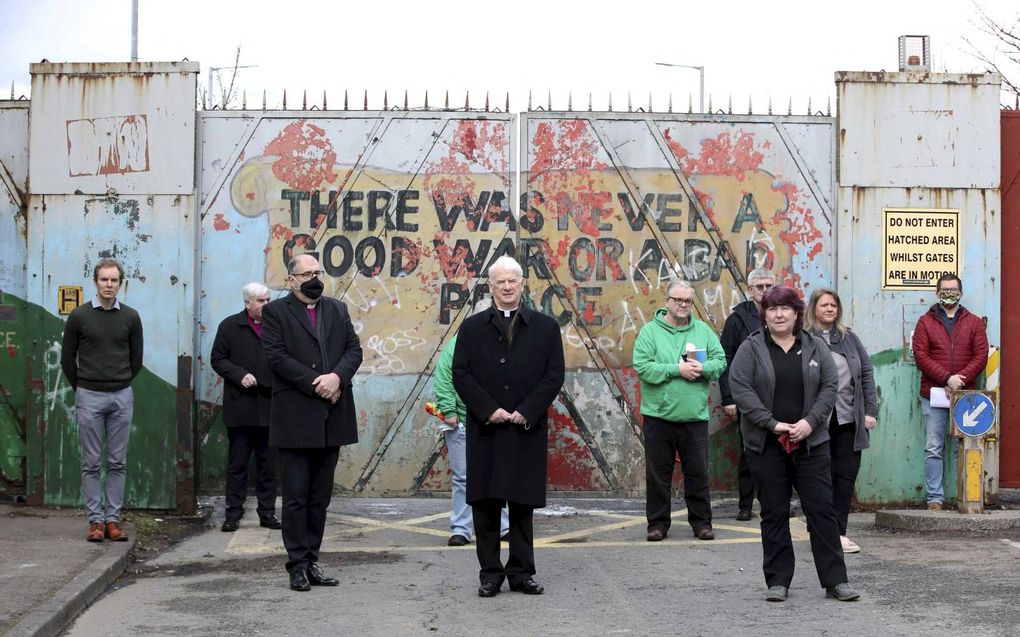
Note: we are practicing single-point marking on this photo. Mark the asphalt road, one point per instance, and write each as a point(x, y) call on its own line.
point(602, 578)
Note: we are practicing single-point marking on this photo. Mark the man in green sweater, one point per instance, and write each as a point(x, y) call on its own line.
point(101, 355)
point(676, 356)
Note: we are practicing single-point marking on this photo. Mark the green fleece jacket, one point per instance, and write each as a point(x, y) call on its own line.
point(442, 382)
point(657, 352)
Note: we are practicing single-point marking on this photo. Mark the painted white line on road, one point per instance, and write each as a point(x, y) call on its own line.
point(1011, 543)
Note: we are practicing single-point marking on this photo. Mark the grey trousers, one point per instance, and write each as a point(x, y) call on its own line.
point(103, 417)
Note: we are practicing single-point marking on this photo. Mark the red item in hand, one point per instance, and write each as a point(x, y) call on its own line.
point(789, 445)
point(434, 410)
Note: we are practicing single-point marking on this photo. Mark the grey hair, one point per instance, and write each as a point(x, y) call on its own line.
point(481, 305)
point(292, 264)
point(679, 283)
point(254, 289)
point(761, 273)
point(508, 264)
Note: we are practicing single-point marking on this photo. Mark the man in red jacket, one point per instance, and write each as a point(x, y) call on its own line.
point(951, 349)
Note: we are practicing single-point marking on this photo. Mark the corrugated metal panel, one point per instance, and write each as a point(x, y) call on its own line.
point(128, 196)
point(872, 120)
point(918, 129)
point(124, 127)
point(1009, 397)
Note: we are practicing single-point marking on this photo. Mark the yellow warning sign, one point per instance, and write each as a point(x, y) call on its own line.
point(920, 245)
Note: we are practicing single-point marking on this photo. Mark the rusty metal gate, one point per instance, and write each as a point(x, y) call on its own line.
point(13, 186)
point(407, 209)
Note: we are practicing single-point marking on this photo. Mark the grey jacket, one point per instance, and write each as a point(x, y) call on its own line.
point(753, 384)
point(865, 393)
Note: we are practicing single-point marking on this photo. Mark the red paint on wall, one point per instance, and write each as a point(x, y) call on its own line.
point(305, 156)
point(477, 146)
point(12, 350)
point(571, 465)
point(722, 155)
point(220, 222)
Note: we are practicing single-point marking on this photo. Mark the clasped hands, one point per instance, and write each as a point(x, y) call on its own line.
point(690, 370)
point(799, 431)
point(328, 386)
point(502, 415)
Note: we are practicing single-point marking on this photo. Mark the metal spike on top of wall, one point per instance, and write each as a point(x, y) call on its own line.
point(366, 100)
point(446, 104)
point(385, 100)
point(669, 106)
point(789, 106)
point(284, 99)
point(749, 109)
point(690, 103)
point(709, 102)
point(426, 100)
point(589, 101)
point(729, 105)
point(12, 91)
point(244, 100)
point(507, 102)
point(304, 100)
point(770, 104)
point(323, 99)
point(828, 107)
point(529, 101)
point(610, 102)
point(809, 105)
point(549, 101)
point(649, 102)
point(486, 101)
point(570, 101)
point(345, 99)
point(263, 99)
point(630, 107)
point(405, 99)
point(467, 100)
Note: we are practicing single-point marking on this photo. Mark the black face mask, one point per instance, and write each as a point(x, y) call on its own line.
point(312, 288)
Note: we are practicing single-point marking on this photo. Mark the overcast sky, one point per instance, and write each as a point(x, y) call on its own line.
point(782, 48)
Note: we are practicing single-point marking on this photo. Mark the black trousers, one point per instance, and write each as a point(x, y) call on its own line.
point(521, 563)
point(776, 473)
point(664, 440)
point(745, 483)
point(307, 485)
point(243, 443)
point(846, 464)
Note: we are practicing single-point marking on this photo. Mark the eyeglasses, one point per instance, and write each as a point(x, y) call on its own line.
point(304, 276)
point(680, 301)
point(507, 283)
point(761, 287)
point(949, 290)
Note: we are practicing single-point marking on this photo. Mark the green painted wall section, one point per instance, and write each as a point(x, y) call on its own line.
point(12, 397)
point(212, 450)
point(892, 470)
point(54, 468)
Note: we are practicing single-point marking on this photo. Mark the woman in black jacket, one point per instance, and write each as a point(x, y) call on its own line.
point(856, 411)
point(784, 382)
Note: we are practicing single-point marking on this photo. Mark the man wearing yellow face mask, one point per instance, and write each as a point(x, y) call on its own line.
point(951, 349)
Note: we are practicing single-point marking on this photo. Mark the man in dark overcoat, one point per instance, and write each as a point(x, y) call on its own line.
point(313, 352)
point(238, 358)
point(508, 368)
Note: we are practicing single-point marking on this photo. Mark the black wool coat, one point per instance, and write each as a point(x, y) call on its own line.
point(236, 352)
point(297, 354)
point(506, 461)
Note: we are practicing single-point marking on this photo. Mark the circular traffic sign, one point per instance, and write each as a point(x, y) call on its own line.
point(974, 414)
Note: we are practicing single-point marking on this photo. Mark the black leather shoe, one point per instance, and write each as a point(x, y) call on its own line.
point(317, 578)
point(457, 540)
point(528, 587)
point(270, 521)
point(299, 580)
point(229, 526)
point(743, 515)
point(488, 589)
point(705, 533)
point(842, 592)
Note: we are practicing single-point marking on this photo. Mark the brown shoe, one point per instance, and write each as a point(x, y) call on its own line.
point(95, 533)
point(114, 534)
point(656, 535)
point(934, 506)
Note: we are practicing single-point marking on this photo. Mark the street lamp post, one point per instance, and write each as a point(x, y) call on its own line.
point(701, 74)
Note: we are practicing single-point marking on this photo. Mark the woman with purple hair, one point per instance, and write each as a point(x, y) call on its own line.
point(784, 381)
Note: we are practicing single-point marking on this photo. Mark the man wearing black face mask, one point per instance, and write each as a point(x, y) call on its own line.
point(313, 351)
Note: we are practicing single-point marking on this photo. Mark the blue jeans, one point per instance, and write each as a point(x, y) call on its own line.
point(936, 427)
point(104, 421)
point(460, 515)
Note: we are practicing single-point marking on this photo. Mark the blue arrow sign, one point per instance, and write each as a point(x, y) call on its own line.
point(974, 414)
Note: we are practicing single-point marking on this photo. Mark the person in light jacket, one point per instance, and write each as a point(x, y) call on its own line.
point(856, 412)
point(784, 383)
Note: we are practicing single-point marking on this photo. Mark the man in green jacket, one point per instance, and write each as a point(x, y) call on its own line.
point(454, 418)
point(676, 356)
